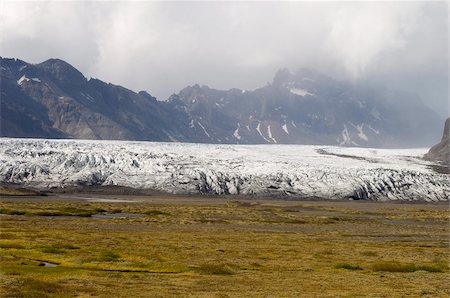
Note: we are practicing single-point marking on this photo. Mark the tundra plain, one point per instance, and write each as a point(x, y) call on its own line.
point(94, 244)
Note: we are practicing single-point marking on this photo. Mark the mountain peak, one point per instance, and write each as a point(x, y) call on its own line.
point(301, 107)
point(281, 76)
point(63, 71)
point(285, 76)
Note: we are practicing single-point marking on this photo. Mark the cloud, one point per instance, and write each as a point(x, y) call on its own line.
point(359, 33)
point(164, 46)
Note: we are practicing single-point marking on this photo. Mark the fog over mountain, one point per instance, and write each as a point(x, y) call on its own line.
point(163, 47)
point(53, 99)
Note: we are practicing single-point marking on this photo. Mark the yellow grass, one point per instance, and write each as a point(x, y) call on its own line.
point(220, 248)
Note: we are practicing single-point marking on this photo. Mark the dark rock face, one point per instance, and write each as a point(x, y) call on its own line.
point(307, 107)
point(54, 100)
point(441, 151)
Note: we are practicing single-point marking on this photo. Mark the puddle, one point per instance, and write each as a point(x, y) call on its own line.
point(100, 200)
point(48, 264)
point(117, 215)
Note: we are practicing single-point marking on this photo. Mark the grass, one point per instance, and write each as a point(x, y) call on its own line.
point(31, 287)
point(12, 212)
point(369, 253)
point(406, 267)
point(52, 250)
point(347, 266)
point(155, 212)
point(15, 191)
point(215, 269)
point(11, 245)
point(109, 256)
point(211, 247)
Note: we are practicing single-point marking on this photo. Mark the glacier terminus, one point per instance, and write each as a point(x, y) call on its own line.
point(283, 171)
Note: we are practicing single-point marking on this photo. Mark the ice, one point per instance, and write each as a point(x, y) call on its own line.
point(285, 171)
point(36, 80)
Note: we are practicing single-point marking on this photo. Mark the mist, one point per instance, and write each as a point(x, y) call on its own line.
point(163, 47)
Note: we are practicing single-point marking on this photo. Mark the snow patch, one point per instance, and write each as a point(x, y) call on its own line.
point(346, 139)
point(301, 92)
point(258, 128)
point(359, 128)
point(36, 80)
point(22, 79)
point(204, 130)
point(285, 128)
point(376, 114)
point(361, 134)
point(87, 96)
point(22, 67)
point(269, 133)
point(236, 132)
point(373, 129)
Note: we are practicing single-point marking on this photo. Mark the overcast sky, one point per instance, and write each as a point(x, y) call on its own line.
point(162, 47)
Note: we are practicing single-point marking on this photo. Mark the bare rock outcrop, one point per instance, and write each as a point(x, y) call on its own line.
point(441, 151)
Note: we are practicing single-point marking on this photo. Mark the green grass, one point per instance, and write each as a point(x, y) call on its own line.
point(68, 211)
point(155, 212)
point(369, 253)
point(12, 191)
point(405, 267)
point(31, 287)
point(347, 266)
point(109, 256)
point(216, 269)
point(12, 212)
point(11, 245)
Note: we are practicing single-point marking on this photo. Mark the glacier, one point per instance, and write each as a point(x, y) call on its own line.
point(285, 171)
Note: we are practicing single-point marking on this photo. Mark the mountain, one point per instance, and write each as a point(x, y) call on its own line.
point(441, 151)
point(307, 107)
point(54, 100)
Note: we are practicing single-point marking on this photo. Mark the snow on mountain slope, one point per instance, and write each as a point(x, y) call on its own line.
point(269, 170)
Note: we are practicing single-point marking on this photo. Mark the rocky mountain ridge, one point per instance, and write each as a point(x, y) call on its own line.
point(441, 151)
point(54, 100)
